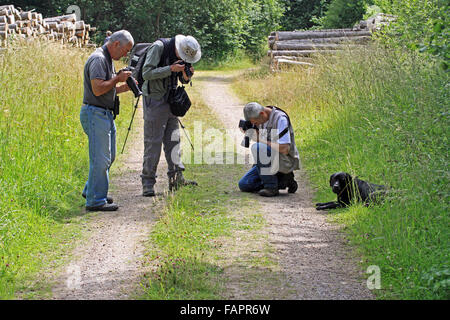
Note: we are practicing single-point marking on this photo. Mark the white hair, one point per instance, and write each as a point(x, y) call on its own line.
point(123, 36)
point(252, 110)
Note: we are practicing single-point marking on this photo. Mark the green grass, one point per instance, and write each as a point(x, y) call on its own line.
point(43, 158)
point(237, 61)
point(384, 117)
point(186, 245)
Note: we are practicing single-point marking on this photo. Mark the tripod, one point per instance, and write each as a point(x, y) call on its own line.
point(131, 122)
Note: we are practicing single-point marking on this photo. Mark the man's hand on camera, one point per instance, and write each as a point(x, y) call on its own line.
point(122, 76)
point(185, 76)
point(252, 134)
point(177, 67)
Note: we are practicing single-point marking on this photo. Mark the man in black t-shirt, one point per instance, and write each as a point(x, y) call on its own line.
point(97, 119)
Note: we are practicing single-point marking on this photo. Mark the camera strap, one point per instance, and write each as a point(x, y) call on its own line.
point(286, 130)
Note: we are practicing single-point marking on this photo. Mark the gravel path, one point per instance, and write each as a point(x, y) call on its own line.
point(313, 256)
point(107, 265)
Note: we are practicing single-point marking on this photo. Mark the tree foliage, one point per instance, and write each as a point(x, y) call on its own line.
point(421, 25)
point(300, 14)
point(343, 13)
point(222, 27)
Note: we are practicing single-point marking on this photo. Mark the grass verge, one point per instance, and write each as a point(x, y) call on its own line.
point(382, 116)
point(43, 160)
point(191, 245)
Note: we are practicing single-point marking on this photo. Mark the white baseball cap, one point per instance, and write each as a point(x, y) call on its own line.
point(188, 48)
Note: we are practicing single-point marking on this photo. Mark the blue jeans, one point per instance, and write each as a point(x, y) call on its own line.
point(253, 180)
point(100, 128)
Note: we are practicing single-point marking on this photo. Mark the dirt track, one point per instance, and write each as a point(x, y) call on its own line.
point(314, 259)
point(107, 265)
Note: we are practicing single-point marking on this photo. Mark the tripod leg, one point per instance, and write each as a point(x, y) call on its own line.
point(185, 133)
point(131, 122)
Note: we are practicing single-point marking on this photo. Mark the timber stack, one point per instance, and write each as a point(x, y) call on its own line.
point(18, 24)
point(300, 47)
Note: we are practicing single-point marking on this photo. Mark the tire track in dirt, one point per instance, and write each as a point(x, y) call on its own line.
point(107, 265)
point(314, 260)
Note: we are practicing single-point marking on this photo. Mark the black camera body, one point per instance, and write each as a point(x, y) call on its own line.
point(131, 82)
point(187, 68)
point(246, 125)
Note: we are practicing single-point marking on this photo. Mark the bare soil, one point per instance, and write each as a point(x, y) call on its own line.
point(108, 264)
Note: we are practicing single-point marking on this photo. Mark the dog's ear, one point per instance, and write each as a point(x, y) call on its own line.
point(348, 177)
point(332, 177)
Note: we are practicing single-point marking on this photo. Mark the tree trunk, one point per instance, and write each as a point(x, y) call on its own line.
point(25, 15)
point(355, 40)
point(79, 25)
point(286, 61)
point(314, 46)
point(69, 17)
point(285, 35)
point(304, 59)
point(305, 53)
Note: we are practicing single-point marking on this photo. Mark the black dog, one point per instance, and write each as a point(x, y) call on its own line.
point(349, 189)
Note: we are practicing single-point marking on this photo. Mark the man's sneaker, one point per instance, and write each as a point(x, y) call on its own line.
point(268, 192)
point(178, 181)
point(148, 192)
point(105, 207)
point(108, 199)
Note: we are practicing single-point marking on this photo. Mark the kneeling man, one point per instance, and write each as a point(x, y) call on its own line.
point(275, 153)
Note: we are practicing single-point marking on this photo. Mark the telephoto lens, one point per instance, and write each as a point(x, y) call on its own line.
point(133, 86)
point(131, 82)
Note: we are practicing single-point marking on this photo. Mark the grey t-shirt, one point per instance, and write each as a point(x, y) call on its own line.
point(98, 66)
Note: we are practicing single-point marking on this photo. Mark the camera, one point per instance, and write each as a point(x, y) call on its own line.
point(246, 125)
point(187, 68)
point(131, 82)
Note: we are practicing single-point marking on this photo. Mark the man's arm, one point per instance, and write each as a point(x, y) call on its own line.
point(150, 70)
point(281, 148)
point(100, 87)
point(283, 143)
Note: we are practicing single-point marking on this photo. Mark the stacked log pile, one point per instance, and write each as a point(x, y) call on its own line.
point(16, 23)
point(299, 47)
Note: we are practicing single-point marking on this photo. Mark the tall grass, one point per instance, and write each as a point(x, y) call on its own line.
point(383, 116)
point(43, 156)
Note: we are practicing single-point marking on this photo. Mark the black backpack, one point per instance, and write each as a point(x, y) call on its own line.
point(177, 97)
point(138, 56)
